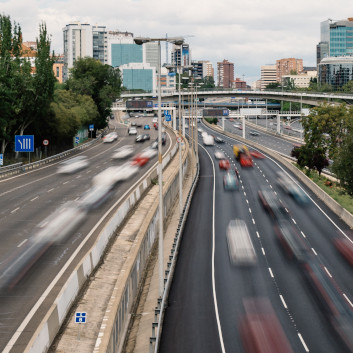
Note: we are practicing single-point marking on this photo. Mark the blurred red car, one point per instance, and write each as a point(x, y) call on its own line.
point(224, 164)
point(345, 247)
point(155, 125)
point(245, 160)
point(140, 160)
point(257, 154)
point(260, 329)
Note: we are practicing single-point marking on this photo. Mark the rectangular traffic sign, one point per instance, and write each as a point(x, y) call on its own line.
point(24, 143)
point(77, 139)
point(80, 318)
point(91, 127)
point(1, 159)
point(167, 117)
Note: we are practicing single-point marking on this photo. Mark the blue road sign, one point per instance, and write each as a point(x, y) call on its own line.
point(91, 127)
point(1, 159)
point(24, 143)
point(80, 318)
point(77, 139)
point(167, 117)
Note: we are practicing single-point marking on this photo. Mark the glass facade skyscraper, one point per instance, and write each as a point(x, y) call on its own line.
point(126, 53)
point(138, 78)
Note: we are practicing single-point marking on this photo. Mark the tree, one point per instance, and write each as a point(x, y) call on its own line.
point(101, 82)
point(10, 78)
point(348, 87)
point(343, 166)
point(273, 85)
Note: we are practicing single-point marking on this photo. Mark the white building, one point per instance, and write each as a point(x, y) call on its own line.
point(268, 75)
point(301, 80)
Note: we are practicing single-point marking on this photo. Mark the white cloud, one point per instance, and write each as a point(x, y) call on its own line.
point(249, 33)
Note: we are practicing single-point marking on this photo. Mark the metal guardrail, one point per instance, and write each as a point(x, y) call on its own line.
point(161, 304)
point(20, 167)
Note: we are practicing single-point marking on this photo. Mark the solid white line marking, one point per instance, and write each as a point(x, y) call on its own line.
point(37, 197)
point(283, 302)
point(20, 244)
point(271, 272)
point(314, 251)
point(303, 343)
point(347, 299)
point(16, 209)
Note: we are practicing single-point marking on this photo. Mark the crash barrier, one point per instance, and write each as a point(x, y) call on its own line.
point(52, 321)
point(20, 167)
point(334, 206)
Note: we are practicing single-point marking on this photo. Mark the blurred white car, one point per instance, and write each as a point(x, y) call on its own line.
point(106, 177)
point(111, 137)
point(219, 155)
point(149, 152)
point(240, 247)
point(123, 152)
point(155, 120)
point(126, 171)
point(96, 196)
point(73, 165)
point(132, 131)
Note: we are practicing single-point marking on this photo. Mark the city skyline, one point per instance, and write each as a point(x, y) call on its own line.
point(249, 37)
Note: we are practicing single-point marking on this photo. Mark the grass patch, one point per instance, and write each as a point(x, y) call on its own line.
point(332, 188)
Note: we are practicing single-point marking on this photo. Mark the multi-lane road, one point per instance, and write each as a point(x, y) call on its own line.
point(26, 200)
point(206, 302)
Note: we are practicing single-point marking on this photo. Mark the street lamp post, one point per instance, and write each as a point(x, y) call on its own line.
point(177, 41)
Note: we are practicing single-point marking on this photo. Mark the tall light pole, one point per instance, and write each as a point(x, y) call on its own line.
point(177, 41)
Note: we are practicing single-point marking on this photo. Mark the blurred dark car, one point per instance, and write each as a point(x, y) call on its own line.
point(272, 203)
point(218, 139)
point(146, 137)
point(345, 247)
point(230, 181)
point(139, 138)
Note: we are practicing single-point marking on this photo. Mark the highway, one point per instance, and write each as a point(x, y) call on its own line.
point(26, 200)
point(206, 302)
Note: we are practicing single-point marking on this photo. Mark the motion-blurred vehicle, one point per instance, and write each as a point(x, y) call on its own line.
point(218, 139)
point(230, 181)
point(219, 155)
point(73, 165)
point(238, 149)
point(208, 140)
point(138, 124)
point(149, 152)
point(260, 329)
point(140, 138)
point(146, 127)
point(272, 204)
point(140, 160)
point(53, 229)
point(155, 120)
point(132, 131)
point(254, 133)
point(95, 196)
point(200, 130)
point(345, 247)
point(292, 242)
point(256, 154)
point(336, 307)
point(224, 164)
point(164, 138)
point(245, 159)
point(146, 137)
point(240, 247)
point(291, 188)
point(155, 125)
point(109, 177)
point(111, 137)
point(123, 152)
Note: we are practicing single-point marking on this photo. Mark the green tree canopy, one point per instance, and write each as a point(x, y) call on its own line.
point(101, 82)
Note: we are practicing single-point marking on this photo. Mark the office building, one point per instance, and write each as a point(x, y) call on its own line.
point(335, 71)
point(301, 80)
point(268, 75)
point(288, 66)
point(225, 74)
point(139, 76)
point(336, 38)
point(181, 55)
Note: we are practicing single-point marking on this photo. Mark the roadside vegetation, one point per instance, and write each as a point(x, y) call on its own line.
point(32, 102)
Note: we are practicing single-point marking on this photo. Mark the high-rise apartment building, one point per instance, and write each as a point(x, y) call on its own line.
point(336, 38)
point(288, 66)
point(225, 74)
point(202, 69)
point(268, 75)
point(82, 40)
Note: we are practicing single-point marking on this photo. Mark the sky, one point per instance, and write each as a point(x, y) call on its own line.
point(248, 33)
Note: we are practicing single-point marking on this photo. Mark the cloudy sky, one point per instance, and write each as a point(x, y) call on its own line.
point(248, 33)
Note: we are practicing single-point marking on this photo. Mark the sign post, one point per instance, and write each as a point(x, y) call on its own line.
point(1, 159)
point(24, 143)
point(91, 128)
point(45, 143)
point(80, 318)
